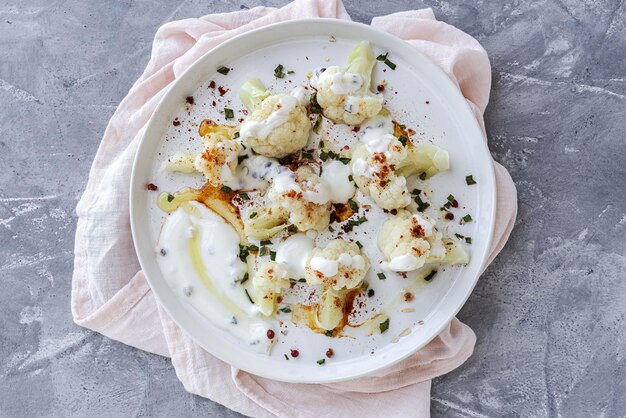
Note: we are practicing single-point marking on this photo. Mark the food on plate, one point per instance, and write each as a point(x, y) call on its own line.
point(344, 92)
point(297, 225)
point(278, 125)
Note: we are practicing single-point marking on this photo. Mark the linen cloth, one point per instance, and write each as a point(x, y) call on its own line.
point(111, 296)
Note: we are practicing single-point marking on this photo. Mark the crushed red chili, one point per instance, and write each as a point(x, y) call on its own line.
point(152, 187)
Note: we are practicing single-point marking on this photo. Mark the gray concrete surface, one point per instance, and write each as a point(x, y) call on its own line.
point(549, 313)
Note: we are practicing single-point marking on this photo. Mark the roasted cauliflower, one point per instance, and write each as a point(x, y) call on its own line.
point(344, 92)
point(340, 265)
point(269, 280)
point(278, 125)
point(218, 161)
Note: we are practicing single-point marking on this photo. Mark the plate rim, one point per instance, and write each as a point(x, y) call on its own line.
point(203, 61)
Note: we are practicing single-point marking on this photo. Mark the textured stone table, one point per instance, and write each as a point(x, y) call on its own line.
point(549, 313)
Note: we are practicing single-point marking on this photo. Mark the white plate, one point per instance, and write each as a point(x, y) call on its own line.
point(446, 120)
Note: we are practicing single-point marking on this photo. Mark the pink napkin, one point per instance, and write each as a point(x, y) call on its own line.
point(110, 294)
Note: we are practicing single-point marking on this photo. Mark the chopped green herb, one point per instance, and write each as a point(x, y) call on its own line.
point(248, 295)
point(226, 189)
point(390, 64)
point(315, 107)
point(470, 180)
point(362, 219)
point(278, 71)
point(286, 357)
point(244, 279)
point(350, 177)
point(384, 58)
point(228, 113)
point(321, 361)
point(244, 196)
point(344, 160)
point(421, 205)
point(459, 236)
point(241, 158)
point(273, 255)
point(384, 326)
point(416, 192)
point(403, 140)
point(253, 248)
point(451, 198)
point(331, 229)
point(468, 240)
point(235, 136)
point(329, 333)
point(353, 205)
point(307, 155)
point(291, 72)
point(358, 243)
point(170, 197)
point(430, 275)
point(292, 229)
point(467, 218)
point(253, 215)
point(317, 124)
point(263, 251)
point(302, 280)
point(381, 276)
point(423, 176)
point(402, 126)
point(243, 252)
point(266, 242)
point(286, 309)
point(223, 70)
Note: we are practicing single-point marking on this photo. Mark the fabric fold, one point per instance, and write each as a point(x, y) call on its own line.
point(111, 296)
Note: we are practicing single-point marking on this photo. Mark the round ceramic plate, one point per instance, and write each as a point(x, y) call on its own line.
point(418, 94)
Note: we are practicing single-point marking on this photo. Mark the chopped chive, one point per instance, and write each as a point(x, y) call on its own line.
point(315, 107)
point(430, 275)
point(384, 326)
point(244, 279)
point(307, 155)
point(381, 276)
point(423, 176)
point(416, 192)
point(382, 57)
point(321, 361)
point(244, 196)
point(266, 242)
point(273, 255)
point(241, 158)
point(291, 72)
point(248, 295)
point(451, 198)
point(263, 251)
point(226, 189)
point(286, 357)
point(459, 236)
point(390, 64)
point(253, 215)
point(403, 140)
point(467, 218)
point(228, 113)
point(353, 205)
point(278, 71)
point(344, 160)
point(317, 124)
point(331, 229)
point(302, 280)
point(329, 333)
point(253, 248)
point(170, 197)
point(358, 243)
point(243, 252)
point(468, 240)
point(286, 309)
point(362, 220)
point(235, 136)
point(350, 177)
point(223, 70)
point(292, 229)
point(470, 180)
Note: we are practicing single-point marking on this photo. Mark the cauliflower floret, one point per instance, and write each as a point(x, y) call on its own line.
point(270, 279)
point(339, 265)
point(344, 92)
point(374, 173)
point(304, 196)
point(279, 124)
point(408, 241)
point(218, 161)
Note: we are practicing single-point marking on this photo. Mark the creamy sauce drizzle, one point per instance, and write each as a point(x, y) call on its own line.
point(294, 253)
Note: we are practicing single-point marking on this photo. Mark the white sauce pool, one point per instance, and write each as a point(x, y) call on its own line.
point(294, 253)
point(335, 175)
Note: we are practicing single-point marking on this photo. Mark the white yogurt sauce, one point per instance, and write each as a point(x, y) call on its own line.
point(335, 175)
point(256, 172)
point(377, 133)
point(405, 262)
point(341, 82)
point(294, 253)
point(286, 181)
point(330, 267)
point(198, 253)
point(361, 168)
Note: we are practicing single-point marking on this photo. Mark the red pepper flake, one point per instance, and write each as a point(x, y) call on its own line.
point(329, 353)
point(189, 100)
point(356, 129)
point(295, 353)
point(222, 90)
point(346, 147)
point(455, 203)
point(380, 87)
point(212, 84)
point(152, 187)
point(270, 334)
point(449, 216)
point(176, 122)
